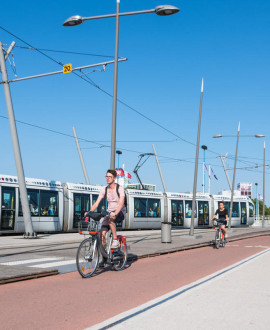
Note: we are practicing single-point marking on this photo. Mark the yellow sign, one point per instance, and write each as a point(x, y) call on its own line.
point(67, 68)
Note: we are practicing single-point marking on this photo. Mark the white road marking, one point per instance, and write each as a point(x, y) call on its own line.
point(30, 261)
point(55, 264)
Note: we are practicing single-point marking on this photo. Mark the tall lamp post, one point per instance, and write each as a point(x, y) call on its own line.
point(164, 10)
point(235, 161)
point(118, 153)
point(203, 148)
point(256, 184)
point(263, 184)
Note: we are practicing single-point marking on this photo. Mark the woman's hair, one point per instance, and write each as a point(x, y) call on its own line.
point(221, 202)
point(113, 172)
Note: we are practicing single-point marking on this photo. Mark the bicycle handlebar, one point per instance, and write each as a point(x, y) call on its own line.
point(96, 215)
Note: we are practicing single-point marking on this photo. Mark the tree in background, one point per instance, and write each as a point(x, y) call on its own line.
point(260, 206)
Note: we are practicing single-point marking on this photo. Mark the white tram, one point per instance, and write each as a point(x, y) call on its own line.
point(59, 207)
point(45, 203)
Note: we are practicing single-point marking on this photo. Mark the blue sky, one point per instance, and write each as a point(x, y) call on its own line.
point(226, 42)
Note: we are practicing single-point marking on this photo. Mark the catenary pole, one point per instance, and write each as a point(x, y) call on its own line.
point(225, 170)
point(81, 157)
point(114, 112)
point(191, 232)
point(159, 169)
point(263, 185)
point(29, 231)
point(233, 183)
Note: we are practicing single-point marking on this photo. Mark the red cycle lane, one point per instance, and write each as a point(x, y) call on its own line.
point(69, 302)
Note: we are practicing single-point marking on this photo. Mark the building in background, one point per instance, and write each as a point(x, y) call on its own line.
point(245, 189)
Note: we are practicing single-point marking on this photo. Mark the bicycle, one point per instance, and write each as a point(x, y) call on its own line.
point(87, 258)
point(220, 239)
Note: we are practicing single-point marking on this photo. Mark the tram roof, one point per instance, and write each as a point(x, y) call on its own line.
point(10, 179)
point(82, 187)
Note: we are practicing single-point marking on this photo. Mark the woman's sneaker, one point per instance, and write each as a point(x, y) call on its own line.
point(115, 244)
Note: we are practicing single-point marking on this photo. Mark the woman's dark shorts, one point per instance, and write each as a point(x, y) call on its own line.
point(223, 221)
point(105, 224)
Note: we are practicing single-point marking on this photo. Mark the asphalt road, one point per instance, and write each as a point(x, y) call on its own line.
point(67, 301)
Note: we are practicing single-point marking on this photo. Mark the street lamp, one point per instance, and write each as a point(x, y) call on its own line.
point(203, 148)
point(235, 161)
point(118, 153)
point(164, 10)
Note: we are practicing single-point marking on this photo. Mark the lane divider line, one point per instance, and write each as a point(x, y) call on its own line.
point(120, 318)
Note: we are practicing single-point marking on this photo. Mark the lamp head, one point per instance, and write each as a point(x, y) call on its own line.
point(166, 10)
point(259, 135)
point(73, 20)
point(217, 136)
point(204, 147)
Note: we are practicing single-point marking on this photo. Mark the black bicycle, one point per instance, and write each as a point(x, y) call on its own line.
point(220, 239)
point(87, 258)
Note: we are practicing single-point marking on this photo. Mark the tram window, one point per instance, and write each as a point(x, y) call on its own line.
point(251, 210)
point(102, 205)
point(140, 207)
point(188, 209)
point(153, 207)
point(33, 200)
point(48, 203)
point(235, 210)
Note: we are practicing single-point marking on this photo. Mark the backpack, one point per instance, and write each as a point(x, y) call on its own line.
point(117, 191)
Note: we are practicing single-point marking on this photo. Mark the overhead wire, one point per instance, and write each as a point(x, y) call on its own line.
point(90, 81)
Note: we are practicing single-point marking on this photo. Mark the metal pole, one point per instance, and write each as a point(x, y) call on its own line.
point(263, 185)
point(81, 157)
point(29, 231)
point(209, 179)
point(191, 232)
point(256, 184)
point(159, 169)
point(203, 175)
point(113, 140)
point(234, 170)
point(225, 170)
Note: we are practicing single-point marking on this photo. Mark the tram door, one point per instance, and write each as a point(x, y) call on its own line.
point(81, 205)
point(203, 216)
point(177, 213)
point(8, 208)
point(243, 213)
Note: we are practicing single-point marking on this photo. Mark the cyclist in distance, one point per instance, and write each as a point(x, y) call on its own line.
point(222, 217)
point(116, 198)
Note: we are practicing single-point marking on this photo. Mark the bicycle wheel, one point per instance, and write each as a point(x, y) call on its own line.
point(87, 257)
point(120, 257)
point(217, 239)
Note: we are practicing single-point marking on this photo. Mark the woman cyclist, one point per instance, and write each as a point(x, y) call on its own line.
point(222, 217)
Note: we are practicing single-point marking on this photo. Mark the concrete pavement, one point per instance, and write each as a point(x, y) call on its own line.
point(236, 297)
point(141, 244)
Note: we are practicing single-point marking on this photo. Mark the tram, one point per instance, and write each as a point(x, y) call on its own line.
point(57, 206)
point(45, 203)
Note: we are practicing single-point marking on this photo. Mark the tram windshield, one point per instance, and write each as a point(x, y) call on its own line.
point(251, 210)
